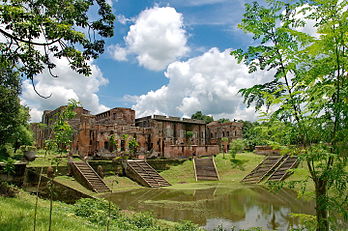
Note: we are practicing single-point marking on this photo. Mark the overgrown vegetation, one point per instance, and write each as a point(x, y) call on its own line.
point(200, 116)
point(308, 92)
point(86, 215)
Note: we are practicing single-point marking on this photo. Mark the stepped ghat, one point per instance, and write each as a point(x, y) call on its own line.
point(276, 168)
point(86, 175)
point(205, 169)
point(141, 172)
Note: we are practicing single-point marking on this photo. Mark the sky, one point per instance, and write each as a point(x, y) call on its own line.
point(169, 57)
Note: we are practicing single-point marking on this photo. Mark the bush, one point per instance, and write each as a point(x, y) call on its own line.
point(96, 210)
point(8, 190)
point(187, 226)
point(236, 146)
point(143, 220)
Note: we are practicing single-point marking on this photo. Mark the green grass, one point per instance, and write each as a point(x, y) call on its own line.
point(17, 214)
point(117, 183)
point(182, 176)
point(45, 159)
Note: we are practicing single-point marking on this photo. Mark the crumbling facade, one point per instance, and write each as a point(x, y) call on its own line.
point(110, 133)
point(223, 133)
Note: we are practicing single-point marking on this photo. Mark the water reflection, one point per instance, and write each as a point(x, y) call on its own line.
point(243, 208)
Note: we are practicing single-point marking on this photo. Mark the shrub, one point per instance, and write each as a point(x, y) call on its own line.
point(236, 146)
point(187, 226)
point(96, 210)
point(8, 190)
point(143, 220)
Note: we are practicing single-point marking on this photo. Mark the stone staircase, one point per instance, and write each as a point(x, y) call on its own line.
point(141, 172)
point(281, 172)
point(88, 177)
point(263, 169)
point(205, 169)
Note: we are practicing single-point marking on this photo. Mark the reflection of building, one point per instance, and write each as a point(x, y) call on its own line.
point(158, 136)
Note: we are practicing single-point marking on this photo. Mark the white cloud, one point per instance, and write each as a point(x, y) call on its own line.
point(118, 53)
point(156, 39)
point(209, 83)
point(68, 85)
point(123, 19)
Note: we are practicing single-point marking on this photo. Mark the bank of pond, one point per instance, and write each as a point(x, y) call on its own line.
point(206, 205)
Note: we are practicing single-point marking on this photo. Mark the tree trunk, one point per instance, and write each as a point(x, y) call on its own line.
point(321, 205)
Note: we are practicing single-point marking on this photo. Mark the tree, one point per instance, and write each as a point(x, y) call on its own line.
point(36, 32)
point(113, 145)
point(33, 34)
point(133, 145)
point(309, 90)
point(224, 120)
point(14, 127)
point(236, 146)
point(188, 135)
point(60, 141)
point(200, 116)
point(9, 104)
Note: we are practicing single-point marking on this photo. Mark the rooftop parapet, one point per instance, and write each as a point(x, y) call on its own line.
point(171, 118)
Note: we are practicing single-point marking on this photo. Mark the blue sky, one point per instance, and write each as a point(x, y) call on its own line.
point(208, 25)
point(174, 61)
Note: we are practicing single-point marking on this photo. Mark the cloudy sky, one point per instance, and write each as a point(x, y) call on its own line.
point(167, 57)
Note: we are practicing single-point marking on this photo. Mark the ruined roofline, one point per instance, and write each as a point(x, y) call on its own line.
point(122, 108)
point(171, 119)
point(218, 124)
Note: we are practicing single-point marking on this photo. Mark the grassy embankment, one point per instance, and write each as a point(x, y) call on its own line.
point(182, 176)
point(17, 214)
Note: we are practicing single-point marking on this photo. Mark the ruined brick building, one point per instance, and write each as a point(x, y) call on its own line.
point(157, 136)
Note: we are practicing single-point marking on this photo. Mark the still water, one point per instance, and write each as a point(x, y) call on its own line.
point(240, 208)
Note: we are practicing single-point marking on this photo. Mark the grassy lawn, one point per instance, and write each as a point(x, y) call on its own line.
point(44, 159)
point(182, 176)
point(17, 214)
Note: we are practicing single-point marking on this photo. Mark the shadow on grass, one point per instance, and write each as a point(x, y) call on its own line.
point(240, 164)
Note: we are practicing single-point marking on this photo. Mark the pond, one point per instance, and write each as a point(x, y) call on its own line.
point(246, 207)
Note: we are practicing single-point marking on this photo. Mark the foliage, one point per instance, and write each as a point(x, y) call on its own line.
point(23, 134)
point(223, 140)
point(9, 104)
point(308, 222)
point(143, 220)
point(62, 132)
point(9, 167)
point(253, 135)
point(8, 190)
point(223, 120)
point(187, 226)
point(113, 143)
point(189, 134)
point(309, 90)
point(26, 148)
point(133, 144)
point(36, 33)
point(200, 116)
point(95, 211)
point(236, 146)
point(14, 127)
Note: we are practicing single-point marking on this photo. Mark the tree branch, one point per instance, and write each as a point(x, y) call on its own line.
point(26, 41)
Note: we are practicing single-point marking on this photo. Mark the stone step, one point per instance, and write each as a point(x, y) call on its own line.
point(147, 173)
point(91, 177)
